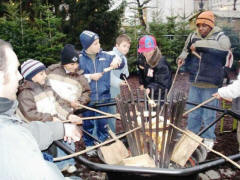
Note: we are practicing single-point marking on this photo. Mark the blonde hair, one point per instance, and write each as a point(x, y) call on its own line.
point(123, 37)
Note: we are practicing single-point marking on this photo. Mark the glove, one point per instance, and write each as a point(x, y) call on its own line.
point(122, 76)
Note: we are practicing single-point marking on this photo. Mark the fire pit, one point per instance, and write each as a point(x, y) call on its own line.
point(146, 141)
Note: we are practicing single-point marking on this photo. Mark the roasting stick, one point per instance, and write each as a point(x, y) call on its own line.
point(94, 147)
point(89, 118)
point(117, 116)
point(197, 55)
point(174, 80)
point(210, 149)
point(198, 106)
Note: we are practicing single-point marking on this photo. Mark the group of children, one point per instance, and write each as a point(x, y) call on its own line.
point(56, 92)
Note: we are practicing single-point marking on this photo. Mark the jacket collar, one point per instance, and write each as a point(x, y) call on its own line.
point(8, 108)
point(153, 62)
point(115, 50)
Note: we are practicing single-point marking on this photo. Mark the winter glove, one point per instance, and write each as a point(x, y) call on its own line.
point(123, 76)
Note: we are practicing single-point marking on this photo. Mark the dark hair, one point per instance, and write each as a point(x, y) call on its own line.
point(3, 54)
point(123, 37)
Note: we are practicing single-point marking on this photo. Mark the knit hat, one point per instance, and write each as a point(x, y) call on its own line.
point(30, 68)
point(69, 55)
point(206, 17)
point(87, 38)
point(147, 43)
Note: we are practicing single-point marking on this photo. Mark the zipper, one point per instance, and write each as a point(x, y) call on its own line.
point(199, 67)
point(94, 64)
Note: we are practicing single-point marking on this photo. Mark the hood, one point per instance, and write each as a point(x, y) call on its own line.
point(27, 85)
point(7, 106)
point(213, 31)
point(59, 68)
point(153, 62)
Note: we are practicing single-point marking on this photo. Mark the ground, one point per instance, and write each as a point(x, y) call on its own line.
point(226, 142)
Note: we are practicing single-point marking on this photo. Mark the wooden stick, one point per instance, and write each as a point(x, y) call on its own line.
point(196, 107)
point(174, 79)
point(196, 54)
point(216, 152)
point(98, 111)
point(129, 88)
point(92, 117)
point(94, 147)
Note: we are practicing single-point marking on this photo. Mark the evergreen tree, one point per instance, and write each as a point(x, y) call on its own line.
point(36, 37)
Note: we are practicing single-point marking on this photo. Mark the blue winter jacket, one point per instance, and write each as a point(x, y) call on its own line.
point(213, 50)
point(100, 90)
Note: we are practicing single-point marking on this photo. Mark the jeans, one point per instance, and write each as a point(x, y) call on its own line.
point(60, 152)
point(99, 125)
point(202, 117)
point(112, 121)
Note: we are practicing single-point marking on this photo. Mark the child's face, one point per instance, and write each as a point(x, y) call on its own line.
point(71, 67)
point(94, 48)
point(40, 77)
point(123, 47)
point(148, 55)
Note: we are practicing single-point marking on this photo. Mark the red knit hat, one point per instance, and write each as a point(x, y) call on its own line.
point(206, 17)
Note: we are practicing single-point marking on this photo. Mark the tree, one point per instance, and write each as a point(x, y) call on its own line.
point(38, 38)
point(140, 8)
point(91, 15)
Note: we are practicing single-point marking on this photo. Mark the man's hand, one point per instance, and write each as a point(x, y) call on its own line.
point(96, 76)
point(193, 48)
point(75, 119)
point(115, 62)
point(180, 62)
point(72, 133)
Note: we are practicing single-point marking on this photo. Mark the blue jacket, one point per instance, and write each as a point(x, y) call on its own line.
point(213, 50)
point(100, 90)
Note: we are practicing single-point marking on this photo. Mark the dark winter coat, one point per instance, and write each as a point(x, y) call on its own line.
point(213, 50)
point(156, 73)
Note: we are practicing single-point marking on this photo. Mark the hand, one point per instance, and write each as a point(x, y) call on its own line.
point(56, 119)
point(115, 62)
point(193, 48)
point(123, 83)
point(216, 95)
point(147, 91)
point(72, 133)
point(74, 104)
point(96, 76)
point(75, 119)
point(180, 62)
point(141, 87)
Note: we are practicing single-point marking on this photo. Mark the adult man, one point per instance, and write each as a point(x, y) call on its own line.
point(206, 74)
point(21, 142)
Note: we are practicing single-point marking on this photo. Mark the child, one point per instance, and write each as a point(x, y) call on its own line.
point(156, 73)
point(74, 86)
point(232, 91)
point(93, 61)
point(38, 102)
point(121, 49)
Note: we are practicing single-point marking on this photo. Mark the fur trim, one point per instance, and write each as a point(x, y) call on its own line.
point(153, 62)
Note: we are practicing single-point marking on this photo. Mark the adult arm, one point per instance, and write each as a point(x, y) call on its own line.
point(45, 133)
point(231, 91)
